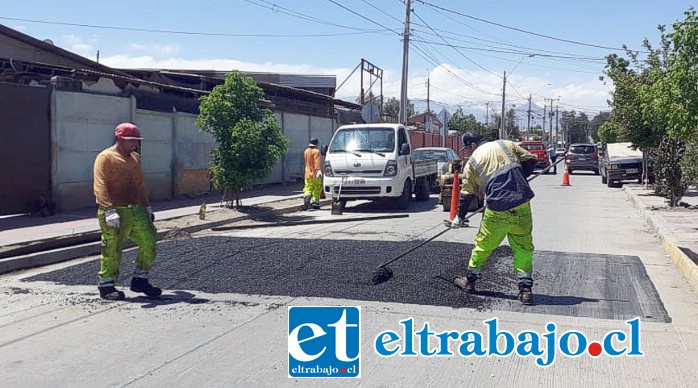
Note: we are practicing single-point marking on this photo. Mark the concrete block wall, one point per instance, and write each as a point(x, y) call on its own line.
point(175, 153)
point(82, 125)
point(192, 153)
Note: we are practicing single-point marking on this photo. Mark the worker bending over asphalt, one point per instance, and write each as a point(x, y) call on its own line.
point(498, 170)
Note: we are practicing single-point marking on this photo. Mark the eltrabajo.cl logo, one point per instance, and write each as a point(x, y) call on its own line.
point(324, 341)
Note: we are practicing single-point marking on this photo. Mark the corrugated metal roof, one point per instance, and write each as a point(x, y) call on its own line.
point(309, 81)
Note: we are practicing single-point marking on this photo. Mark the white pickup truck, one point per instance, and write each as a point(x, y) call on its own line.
point(374, 161)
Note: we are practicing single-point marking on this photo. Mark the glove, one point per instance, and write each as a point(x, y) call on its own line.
point(112, 218)
point(149, 209)
point(319, 175)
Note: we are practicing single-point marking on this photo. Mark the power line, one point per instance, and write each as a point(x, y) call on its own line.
point(479, 41)
point(198, 33)
point(428, 58)
point(522, 30)
point(381, 11)
point(450, 45)
point(363, 17)
point(287, 11)
point(579, 58)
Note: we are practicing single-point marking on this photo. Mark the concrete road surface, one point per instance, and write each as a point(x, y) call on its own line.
point(224, 320)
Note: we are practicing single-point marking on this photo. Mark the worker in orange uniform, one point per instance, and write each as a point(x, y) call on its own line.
point(313, 176)
point(123, 212)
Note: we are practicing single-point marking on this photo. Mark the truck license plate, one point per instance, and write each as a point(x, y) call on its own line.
point(355, 181)
point(632, 170)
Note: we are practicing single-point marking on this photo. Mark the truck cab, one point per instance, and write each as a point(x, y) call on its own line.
point(374, 161)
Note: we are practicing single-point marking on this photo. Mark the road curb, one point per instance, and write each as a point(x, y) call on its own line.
point(58, 255)
point(671, 246)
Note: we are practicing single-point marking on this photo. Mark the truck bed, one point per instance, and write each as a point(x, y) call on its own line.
point(426, 167)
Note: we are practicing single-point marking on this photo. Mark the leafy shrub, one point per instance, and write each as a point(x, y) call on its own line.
point(689, 164)
point(670, 182)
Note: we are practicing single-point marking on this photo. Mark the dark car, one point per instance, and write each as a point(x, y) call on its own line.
point(620, 162)
point(582, 156)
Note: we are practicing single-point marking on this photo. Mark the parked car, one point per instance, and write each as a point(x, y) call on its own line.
point(442, 155)
point(622, 163)
point(560, 152)
point(582, 156)
point(542, 154)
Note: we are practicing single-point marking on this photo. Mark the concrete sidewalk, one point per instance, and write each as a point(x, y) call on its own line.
point(26, 228)
point(28, 241)
point(676, 228)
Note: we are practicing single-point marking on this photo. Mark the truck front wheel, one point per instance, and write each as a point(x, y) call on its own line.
point(422, 189)
point(403, 201)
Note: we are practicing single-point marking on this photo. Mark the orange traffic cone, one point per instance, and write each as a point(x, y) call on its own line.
point(566, 177)
point(455, 195)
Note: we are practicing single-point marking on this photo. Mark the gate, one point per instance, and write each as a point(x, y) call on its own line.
point(25, 147)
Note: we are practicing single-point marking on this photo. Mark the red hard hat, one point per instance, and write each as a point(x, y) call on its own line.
point(127, 131)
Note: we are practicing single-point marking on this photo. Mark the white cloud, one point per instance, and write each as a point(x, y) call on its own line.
point(452, 86)
point(79, 45)
point(162, 50)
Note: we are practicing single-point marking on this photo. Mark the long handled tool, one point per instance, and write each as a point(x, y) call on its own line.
point(383, 273)
point(337, 205)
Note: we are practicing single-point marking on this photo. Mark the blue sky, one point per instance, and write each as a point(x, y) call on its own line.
point(549, 48)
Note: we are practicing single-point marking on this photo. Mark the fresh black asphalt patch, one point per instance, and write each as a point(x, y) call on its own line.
point(571, 284)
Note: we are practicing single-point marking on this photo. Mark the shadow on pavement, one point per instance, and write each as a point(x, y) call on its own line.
point(173, 297)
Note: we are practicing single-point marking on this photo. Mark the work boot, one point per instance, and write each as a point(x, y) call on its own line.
point(316, 205)
point(464, 283)
point(526, 296)
point(142, 285)
point(111, 293)
point(306, 203)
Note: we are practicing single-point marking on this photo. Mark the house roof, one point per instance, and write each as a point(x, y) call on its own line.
point(55, 50)
point(73, 65)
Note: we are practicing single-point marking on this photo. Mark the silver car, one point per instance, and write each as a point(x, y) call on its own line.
point(443, 156)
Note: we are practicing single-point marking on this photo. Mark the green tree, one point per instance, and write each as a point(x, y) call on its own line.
point(597, 122)
point(249, 138)
point(575, 127)
point(639, 99)
point(670, 181)
point(680, 95)
point(689, 167)
point(610, 132)
point(391, 107)
point(462, 122)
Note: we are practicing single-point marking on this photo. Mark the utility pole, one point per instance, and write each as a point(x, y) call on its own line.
point(428, 110)
point(405, 58)
point(502, 132)
point(557, 122)
point(542, 128)
point(487, 116)
point(550, 133)
point(528, 127)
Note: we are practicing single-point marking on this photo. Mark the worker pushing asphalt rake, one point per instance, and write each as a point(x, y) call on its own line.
point(383, 273)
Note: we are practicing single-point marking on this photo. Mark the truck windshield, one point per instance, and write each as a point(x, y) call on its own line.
point(372, 139)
